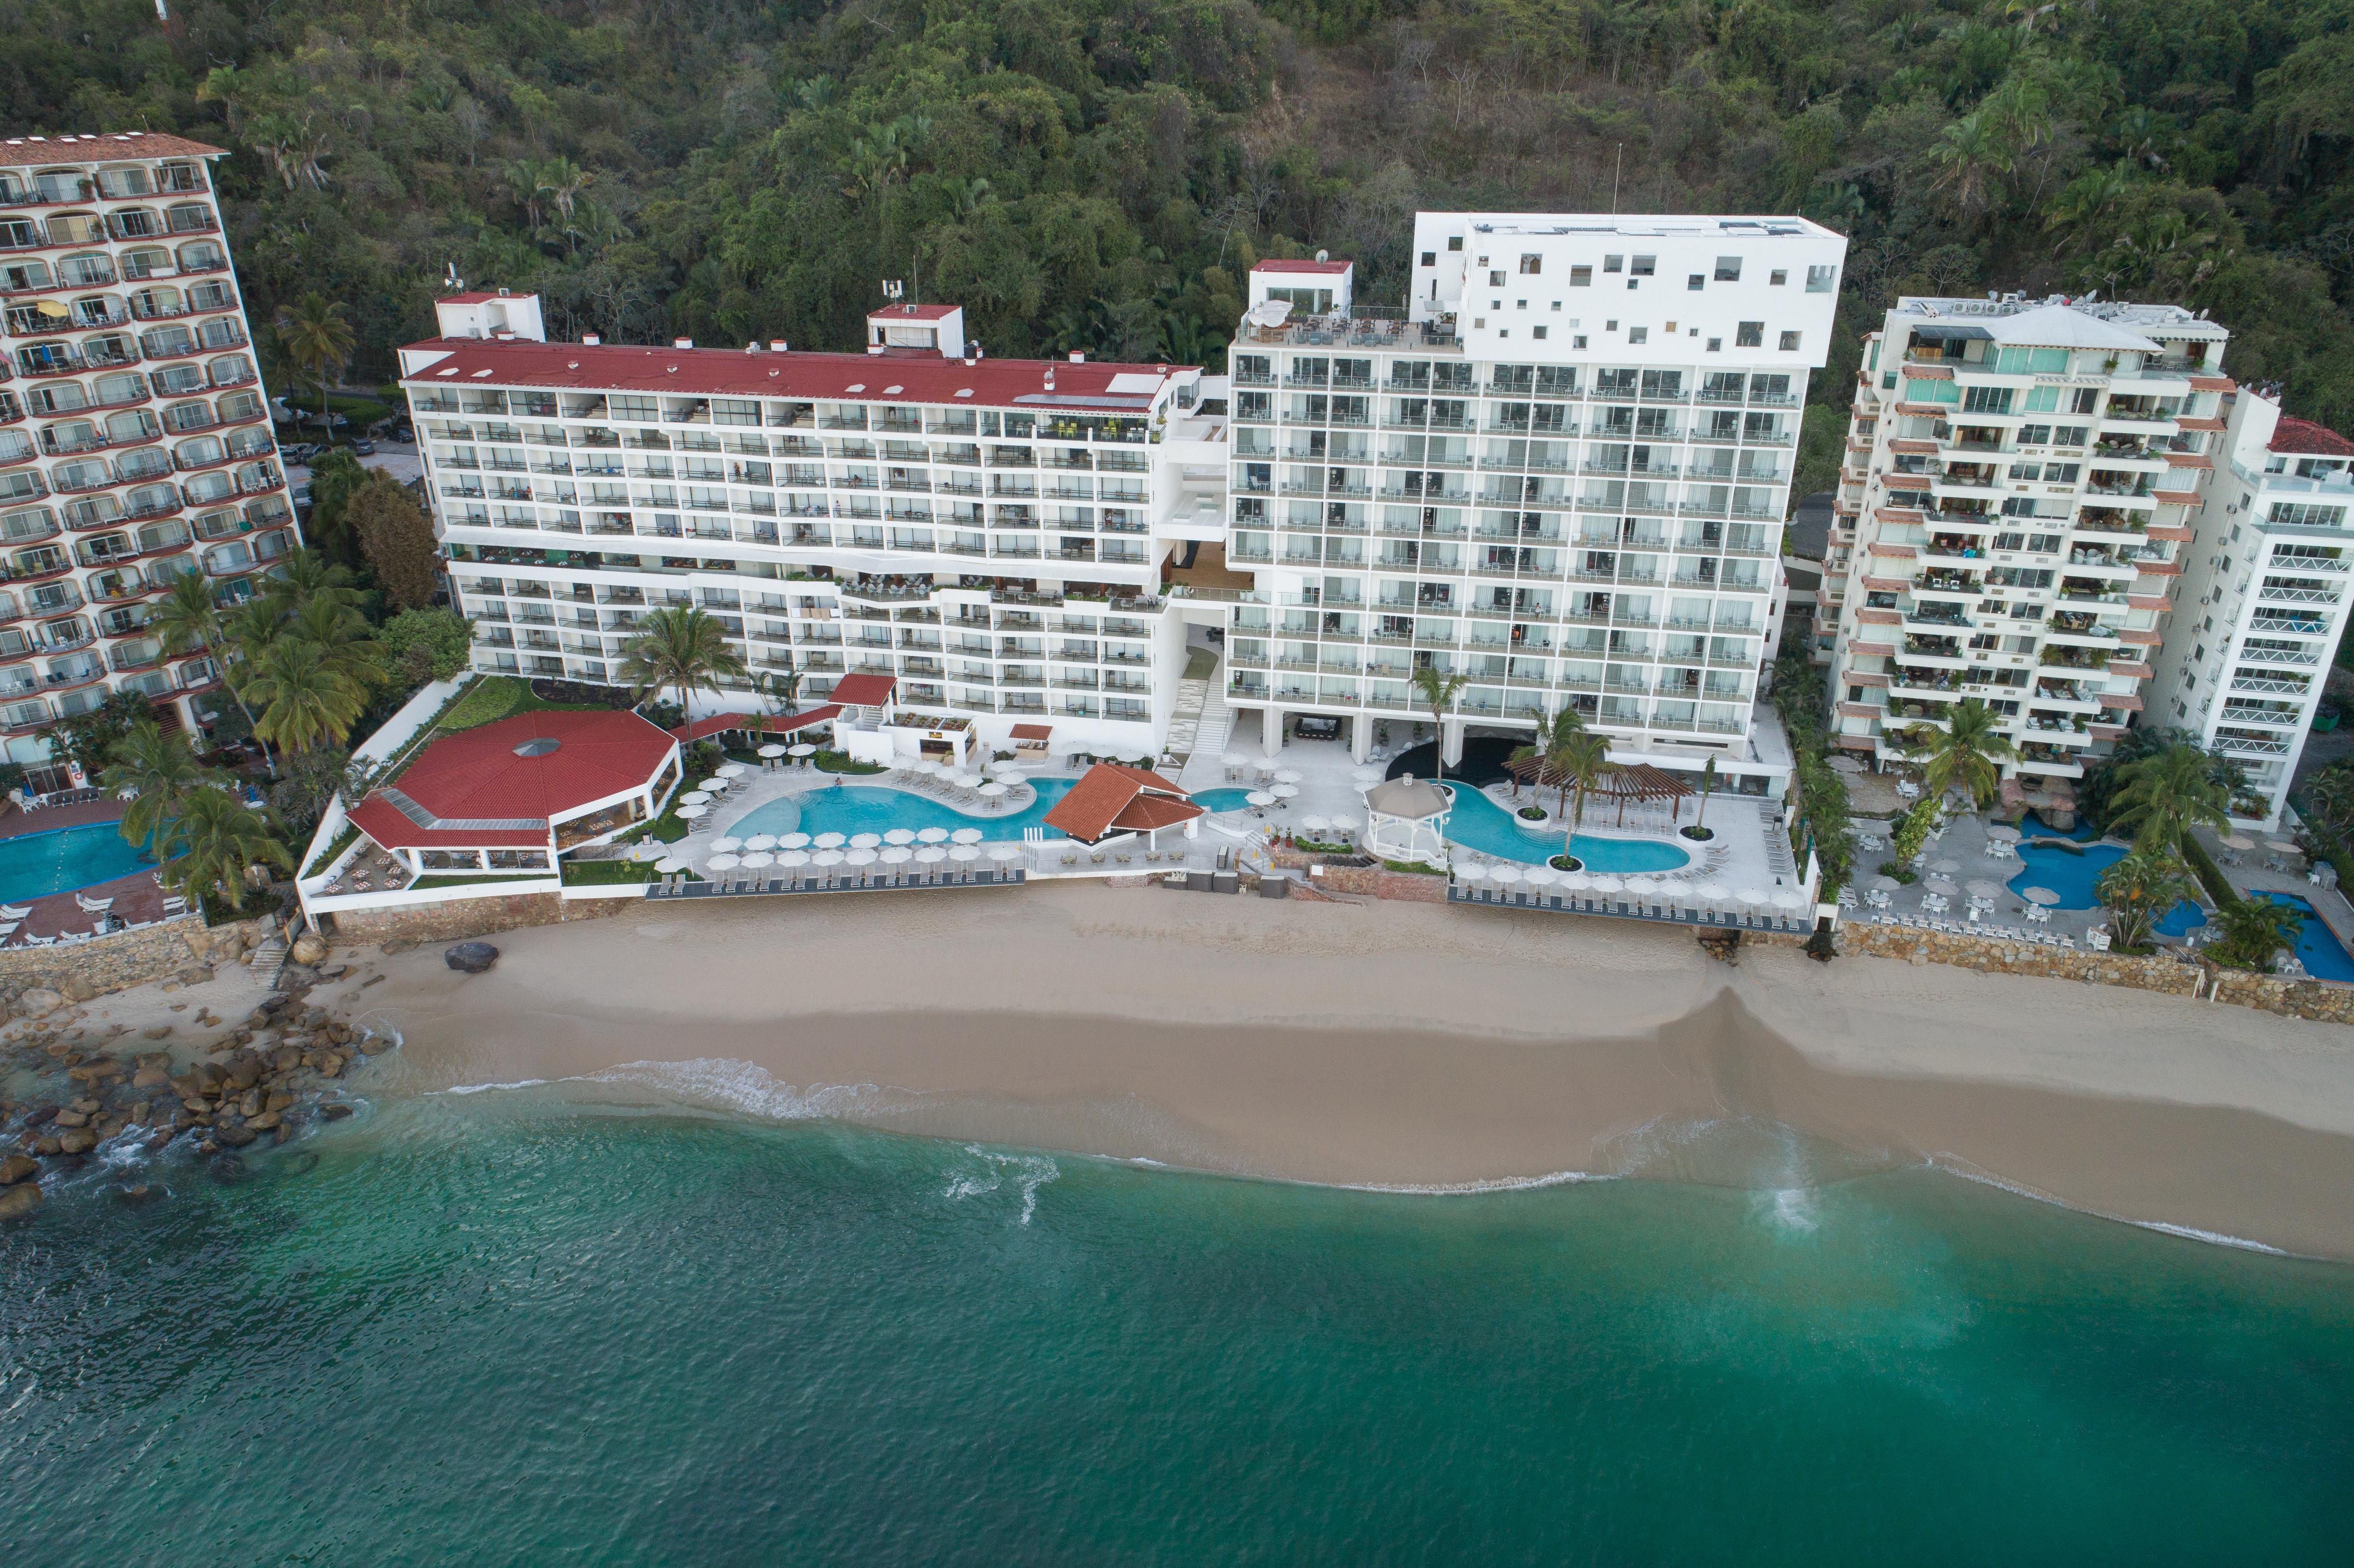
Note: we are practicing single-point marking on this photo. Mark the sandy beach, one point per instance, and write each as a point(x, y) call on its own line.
point(1401, 1046)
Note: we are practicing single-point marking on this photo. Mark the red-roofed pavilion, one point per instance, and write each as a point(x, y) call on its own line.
point(1112, 801)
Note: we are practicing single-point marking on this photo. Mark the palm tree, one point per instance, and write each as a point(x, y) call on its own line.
point(1707, 788)
point(216, 837)
point(681, 649)
point(1437, 689)
point(188, 618)
point(1584, 761)
point(160, 771)
point(343, 638)
point(530, 183)
point(1968, 752)
point(1549, 749)
point(2248, 933)
point(305, 575)
point(2140, 890)
point(2160, 798)
point(305, 700)
point(564, 180)
point(318, 342)
point(779, 689)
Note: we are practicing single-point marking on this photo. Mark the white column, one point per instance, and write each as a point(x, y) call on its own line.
point(1270, 718)
point(1361, 738)
point(1450, 740)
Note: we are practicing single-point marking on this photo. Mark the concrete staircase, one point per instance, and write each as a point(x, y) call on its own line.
point(1200, 723)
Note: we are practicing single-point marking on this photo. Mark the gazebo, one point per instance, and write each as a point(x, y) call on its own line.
point(1405, 819)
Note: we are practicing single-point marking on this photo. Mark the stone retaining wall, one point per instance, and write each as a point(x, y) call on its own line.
point(1374, 881)
point(451, 921)
point(127, 959)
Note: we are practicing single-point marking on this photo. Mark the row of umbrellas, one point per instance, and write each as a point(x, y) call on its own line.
point(1504, 873)
point(1939, 881)
point(895, 837)
point(894, 855)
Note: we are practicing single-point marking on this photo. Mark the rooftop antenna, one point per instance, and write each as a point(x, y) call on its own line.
point(894, 290)
point(915, 276)
point(1618, 169)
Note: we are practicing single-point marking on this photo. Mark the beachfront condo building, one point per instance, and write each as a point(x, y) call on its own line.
point(1559, 470)
point(135, 442)
point(2013, 514)
point(984, 536)
point(2261, 604)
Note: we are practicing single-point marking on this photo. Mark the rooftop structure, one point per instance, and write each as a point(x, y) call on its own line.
point(1111, 800)
point(2020, 478)
point(135, 440)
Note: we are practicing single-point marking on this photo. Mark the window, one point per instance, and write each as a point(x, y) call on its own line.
point(1695, 282)
point(2042, 400)
point(1638, 334)
point(2044, 544)
point(2088, 400)
point(1982, 400)
point(1430, 258)
point(2027, 470)
point(1556, 304)
point(2061, 472)
point(1578, 341)
point(1778, 276)
point(1716, 345)
point(1749, 334)
point(1581, 277)
point(1822, 280)
point(2305, 514)
point(1728, 268)
point(1520, 304)
point(1614, 263)
point(1610, 325)
point(1538, 331)
point(1496, 279)
point(1454, 242)
point(1645, 266)
point(1789, 343)
point(2034, 435)
point(2070, 435)
point(1531, 265)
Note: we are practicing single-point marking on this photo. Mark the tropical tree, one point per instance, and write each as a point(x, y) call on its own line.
point(1968, 752)
point(2140, 890)
point(318, 341)
point(682, 649)
point(213, 841)
point(779, 689)
point(305, 700)
point(2249, 932)
point(529, 183)
point(1584, 759)
point(1438, 689)
point(305, 575)
point(2160, 798)
point(345, 643)
point(1707, 788)
point(1550, 750)
point(188, 619)
point(159, 771)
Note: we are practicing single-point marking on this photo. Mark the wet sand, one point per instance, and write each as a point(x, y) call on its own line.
point(1402, 1046)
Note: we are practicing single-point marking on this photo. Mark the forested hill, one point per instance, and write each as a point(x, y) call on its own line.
point(1098, 173)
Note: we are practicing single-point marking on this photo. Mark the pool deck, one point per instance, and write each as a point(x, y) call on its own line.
point(137, 898)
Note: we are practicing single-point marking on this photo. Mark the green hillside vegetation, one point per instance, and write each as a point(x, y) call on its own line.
point(1097, 174)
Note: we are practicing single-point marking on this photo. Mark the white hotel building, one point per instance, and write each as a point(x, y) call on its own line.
point(1561, 471)
point(134, 438)
point(988, 533)
point(2019, 491)
point(2261, 604)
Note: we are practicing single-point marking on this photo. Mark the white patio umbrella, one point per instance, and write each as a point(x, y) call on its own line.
point(793, 841)
point(1315, 824)
point(1946, 864)
point(723, 862)
point(932, 835)
point(965, 835)
point(801, 749)
point(759, 860)
point(1288, 776)
point(2043, 895)
point(1266, 765)
point(866, 841)
point(897, 854)
point(2002, 834)
point(1504, 873)
point(1259, 798)
point(829, 840)
point(1751, 896)
point(727, 845)
point(1002, 853)
point(1788, 898)
point(670, 865)
point(1608, 885)
point(900, 836)
point(772, 751)
point(931, 854)
point(1715, 891)
point(1981, 888)
point(1234, 759)
point(1940, 884)
point(1674, 887)
point(1284, 791)
point(1885, 884)
point(995, 789)
point(761, 842)
point(793, 859)
point(861, 857)
point(1344, 824)
point(826, 857)
point(694, 809)
point(731, 770)
point(695, 797)
point(1576, 882)
point(1541, 876)
point(1368, 774)
point(964, 852)
point(714, 782)
point(2236, 841)
point(1471, 872)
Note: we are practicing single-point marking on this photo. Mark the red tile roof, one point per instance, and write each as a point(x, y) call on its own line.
point(733, 373)
point(477, 790)
point(2303, 438)
point(1323, 267)
point(865, 691)
point(1112, 798)
point(764, 724)
point(1033, 731)
point(27, 152)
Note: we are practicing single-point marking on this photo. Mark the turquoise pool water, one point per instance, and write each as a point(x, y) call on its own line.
point(851, 809)
point(1477, 823)
point(34, 864)
point(1222, 799)
point(2073, 876)
point(2316, 948)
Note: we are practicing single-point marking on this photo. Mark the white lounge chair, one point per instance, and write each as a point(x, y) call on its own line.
point(94, 905)
point(9, 911)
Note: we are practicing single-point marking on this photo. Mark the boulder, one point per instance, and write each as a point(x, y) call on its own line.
point(335, 1111)
point(77, 989)
point(195, 974)
point(265, 1121)
point(151, 1078)
point(39, 1002)
point(470, 957)
point(71, 1117)
point(155, 1032)
point(233, 1134)
point(375, 1044)
point(308, 948)
point(77, 1140)
point(17, 1168)
point(18, 1202)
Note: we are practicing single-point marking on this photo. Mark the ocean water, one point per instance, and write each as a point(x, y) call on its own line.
point(509, 1328)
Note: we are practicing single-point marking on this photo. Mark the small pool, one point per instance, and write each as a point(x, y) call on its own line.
point(1477, 823)
point(2072, 874)
point(33, 866)
point(1222, 799)
point(2318, 948)
point(852, 808)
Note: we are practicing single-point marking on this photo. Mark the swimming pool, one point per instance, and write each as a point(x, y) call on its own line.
point(2073, 876)
point(34, 864)
point(851, 809)
point(1222, 799)
point(2318, 948)
point(1477, 823)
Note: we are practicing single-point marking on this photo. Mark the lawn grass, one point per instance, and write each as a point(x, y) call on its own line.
point(607, 873)
point(494, 697)
point(839, 762)
point(472, 879)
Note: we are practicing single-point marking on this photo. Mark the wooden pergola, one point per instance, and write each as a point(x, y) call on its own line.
point(1634, 781)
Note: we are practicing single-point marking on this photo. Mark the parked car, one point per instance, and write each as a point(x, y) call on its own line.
point(300, 453)
point(364, 448)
